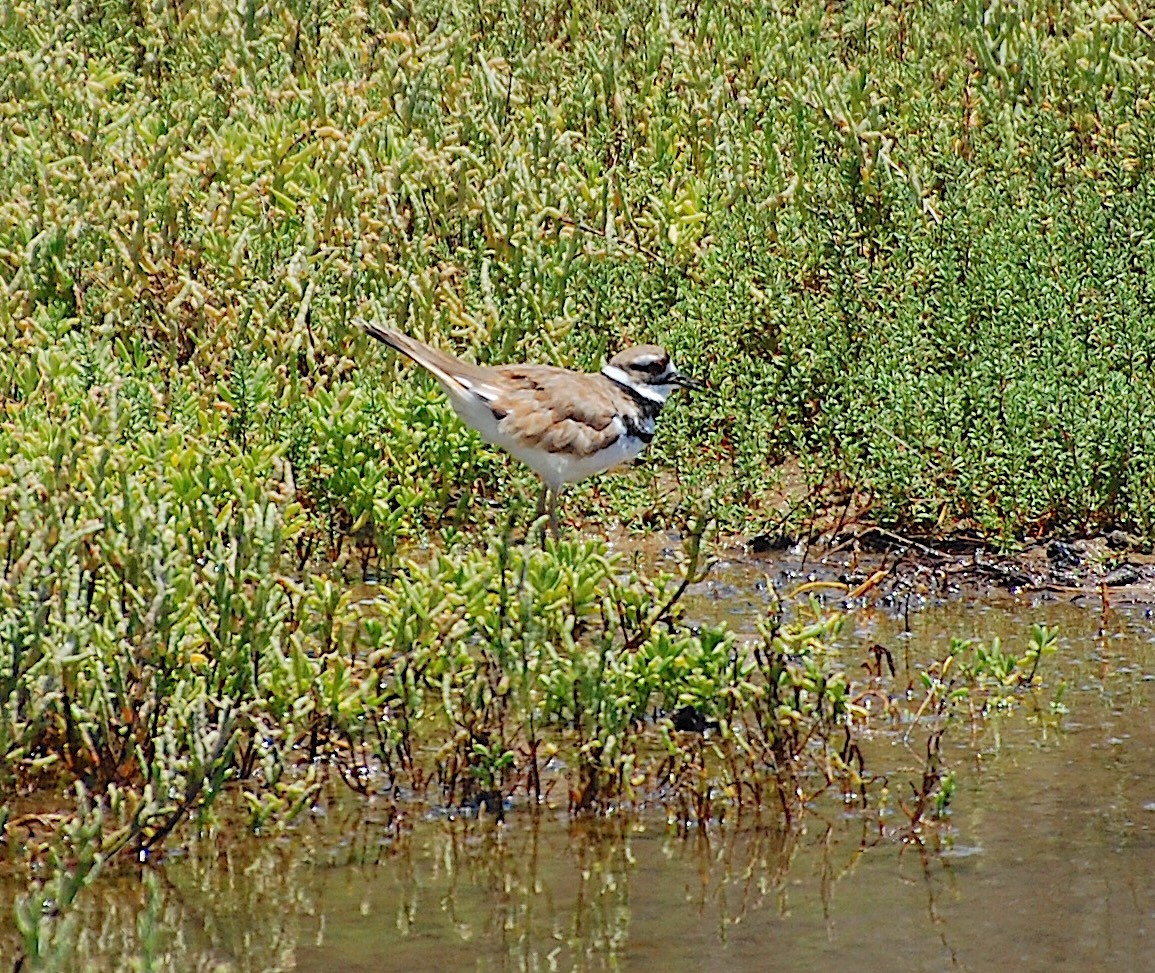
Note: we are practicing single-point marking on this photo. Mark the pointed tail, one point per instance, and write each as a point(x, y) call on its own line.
point(454, 374)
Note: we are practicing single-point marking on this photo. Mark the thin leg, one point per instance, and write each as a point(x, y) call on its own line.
point(553, 497)
point(541, 504)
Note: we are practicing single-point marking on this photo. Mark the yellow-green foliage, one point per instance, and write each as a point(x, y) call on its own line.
point(909, 244)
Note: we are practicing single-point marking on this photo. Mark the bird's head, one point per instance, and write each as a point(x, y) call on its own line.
point(647, 370)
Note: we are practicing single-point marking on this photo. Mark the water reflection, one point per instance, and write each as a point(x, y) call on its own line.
point(1048, 860)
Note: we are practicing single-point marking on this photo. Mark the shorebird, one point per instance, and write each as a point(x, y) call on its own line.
point(564, 425)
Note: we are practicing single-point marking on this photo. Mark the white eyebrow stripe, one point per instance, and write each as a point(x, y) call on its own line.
point(615, 374)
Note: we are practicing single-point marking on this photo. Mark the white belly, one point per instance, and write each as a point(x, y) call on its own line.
point(556, 469)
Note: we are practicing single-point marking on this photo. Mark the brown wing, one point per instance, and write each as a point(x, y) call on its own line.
point(559, 410)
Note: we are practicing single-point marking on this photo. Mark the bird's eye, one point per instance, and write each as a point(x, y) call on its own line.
point(652, 367)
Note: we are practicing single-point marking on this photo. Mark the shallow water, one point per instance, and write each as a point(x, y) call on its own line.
point(1047, 862)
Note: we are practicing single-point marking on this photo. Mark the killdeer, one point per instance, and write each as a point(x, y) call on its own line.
point(564, 425)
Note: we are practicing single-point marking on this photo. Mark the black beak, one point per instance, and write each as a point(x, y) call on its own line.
point(686, 382)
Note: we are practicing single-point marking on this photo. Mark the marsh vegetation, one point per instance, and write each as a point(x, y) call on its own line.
point(910, 245)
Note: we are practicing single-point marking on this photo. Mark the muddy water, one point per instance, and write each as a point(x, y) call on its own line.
point(1048, 861)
